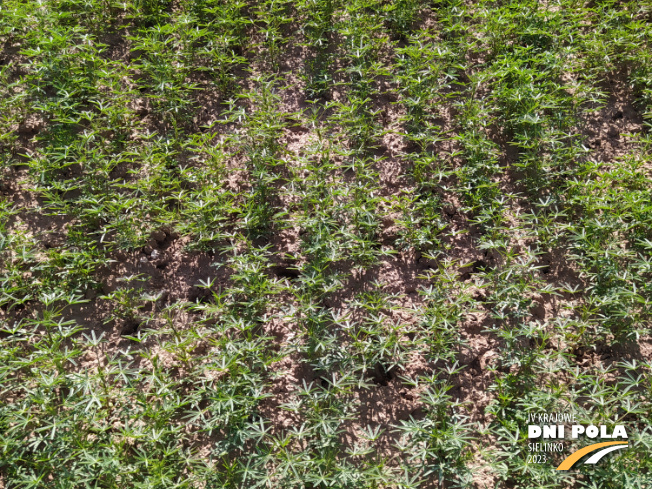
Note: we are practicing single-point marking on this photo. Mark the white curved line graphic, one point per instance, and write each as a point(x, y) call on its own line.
point(595, 458)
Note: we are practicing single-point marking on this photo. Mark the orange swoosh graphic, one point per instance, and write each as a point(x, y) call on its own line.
point(575, 456)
